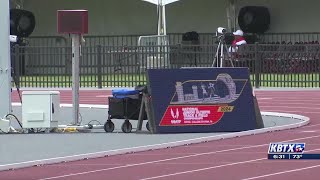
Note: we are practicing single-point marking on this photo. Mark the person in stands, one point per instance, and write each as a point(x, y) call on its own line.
point(238, 41)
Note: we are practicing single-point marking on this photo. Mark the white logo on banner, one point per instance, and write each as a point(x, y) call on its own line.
point(194, 114)
point(175, 116)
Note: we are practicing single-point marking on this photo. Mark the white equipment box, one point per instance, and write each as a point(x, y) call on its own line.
point(4, 126)
point(40, 109)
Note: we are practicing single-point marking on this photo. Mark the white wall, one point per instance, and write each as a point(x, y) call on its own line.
point(114, 17)
point(119, 17)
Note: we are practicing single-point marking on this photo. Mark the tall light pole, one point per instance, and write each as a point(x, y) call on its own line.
point(162, 24)
point(5, 62)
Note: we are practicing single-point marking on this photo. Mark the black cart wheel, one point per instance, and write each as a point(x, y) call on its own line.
point(108, 126)
point(147, 126)
point(126, 127)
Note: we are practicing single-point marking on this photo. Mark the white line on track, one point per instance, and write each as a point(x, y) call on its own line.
point(306, 100)
point(282, 172)
point(215, 167)
point(289, 111)
point(308, 131)
point(171, 159)
point(288, 103)
point(265, 98)
point(203, 169)
point(101, 96)
point(288, 107)
point(161, 154)
point(308, 126)
point(182, 163)
point(95, 164)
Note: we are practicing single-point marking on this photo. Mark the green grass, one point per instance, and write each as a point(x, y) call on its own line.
point(289, 80)
point(116, 80)
point(131, 80)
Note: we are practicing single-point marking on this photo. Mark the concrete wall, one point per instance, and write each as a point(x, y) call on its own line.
point(118, 17)
point(135, 17)
point(114, 17)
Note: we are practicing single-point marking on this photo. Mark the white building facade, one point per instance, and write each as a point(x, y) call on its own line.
point(126, 17)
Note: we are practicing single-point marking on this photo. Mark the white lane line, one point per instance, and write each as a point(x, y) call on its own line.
point(289, 111)
point(293, 100)
point(203, 169)
point(307, 126)
point(222, 153)
point(265, 98)
point(288, 107)
point(283, 172)
point(289, 103)
point(103, 96)
point(182, 163)
point(308, 131)
point(214, 167)
point(171, 159)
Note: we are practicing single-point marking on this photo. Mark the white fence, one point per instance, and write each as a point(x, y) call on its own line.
point(157, 55)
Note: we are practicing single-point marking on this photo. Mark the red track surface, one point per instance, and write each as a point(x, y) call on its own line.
point(230, 159)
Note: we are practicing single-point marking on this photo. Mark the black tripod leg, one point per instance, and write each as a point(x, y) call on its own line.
point(216, 56)
point(14, 75)
point(16, 82)
point(229, 56)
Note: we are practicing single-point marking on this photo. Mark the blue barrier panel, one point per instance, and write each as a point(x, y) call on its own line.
point(202, 100)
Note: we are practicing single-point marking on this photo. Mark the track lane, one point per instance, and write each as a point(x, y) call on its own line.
point(312, 130)
point(214, 149)
point(209, 163)
point(306, 172)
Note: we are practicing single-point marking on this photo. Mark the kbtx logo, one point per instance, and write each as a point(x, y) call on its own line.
point(286, 148)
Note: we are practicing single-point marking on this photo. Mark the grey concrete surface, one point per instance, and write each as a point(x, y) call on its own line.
point(17, 148)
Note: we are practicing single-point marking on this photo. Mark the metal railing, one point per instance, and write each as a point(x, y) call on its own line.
point(174, 38)
point(124, 66)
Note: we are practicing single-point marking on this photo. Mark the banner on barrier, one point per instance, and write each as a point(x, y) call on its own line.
point(202, 100)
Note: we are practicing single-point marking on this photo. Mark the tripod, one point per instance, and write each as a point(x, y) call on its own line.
point(14, 75)
point(221, 46)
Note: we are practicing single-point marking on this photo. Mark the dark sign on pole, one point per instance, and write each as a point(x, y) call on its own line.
point(72, 21)
point(75, 23)
point(202, 100)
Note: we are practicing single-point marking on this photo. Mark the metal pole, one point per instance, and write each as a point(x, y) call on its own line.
point(159, 19)
point(229, 16)
point(221, 55)
point(5, 62)
point(235, 19)
point(76, 38)
point(164, 22)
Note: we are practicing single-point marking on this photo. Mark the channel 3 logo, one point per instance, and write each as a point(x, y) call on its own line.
point(286, 148)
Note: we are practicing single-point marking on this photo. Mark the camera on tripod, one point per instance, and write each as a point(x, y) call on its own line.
point(219, 59)
point(13, 38)
point(221, 31)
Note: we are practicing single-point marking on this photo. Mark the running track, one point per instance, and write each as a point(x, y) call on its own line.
point(231, 159)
